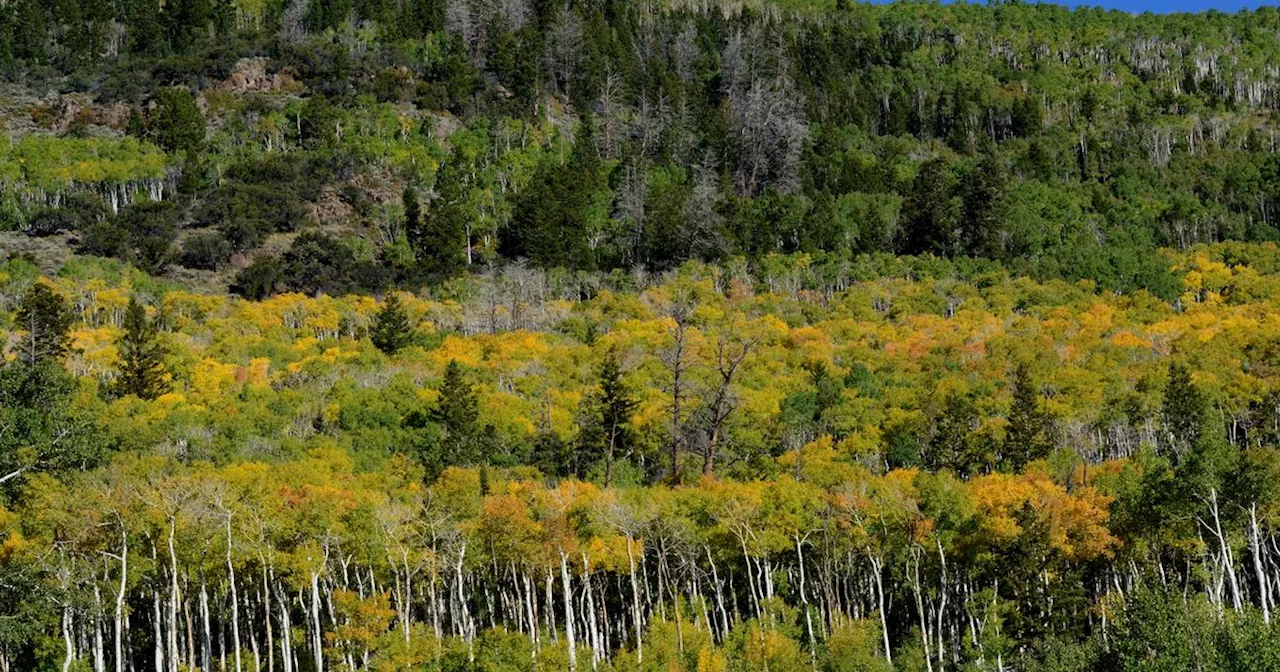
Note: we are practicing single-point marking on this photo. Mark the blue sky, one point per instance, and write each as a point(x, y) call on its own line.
point(1169, 5)
point(1159, 6)
point(1139, 6)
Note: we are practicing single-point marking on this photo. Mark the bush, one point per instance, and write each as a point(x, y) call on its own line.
point(316, 263)
point(207, 251)
point(247, 213)
point(142, 234)
point(152, 228)
point(259, 279)
point(49, 221)
point(106, 238)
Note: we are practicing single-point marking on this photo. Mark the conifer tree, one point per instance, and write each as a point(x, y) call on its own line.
point(44, 316)
point(391, 330)
point(412, 218)
point(952, 445)
point(142, 370)
point(606, 433)
point(457, 413)
point(443, 240)
point(549, 226)
point(177, 123)
point(985, 209)
point(932, 212)
point(1028, 436)
point(1183, 410)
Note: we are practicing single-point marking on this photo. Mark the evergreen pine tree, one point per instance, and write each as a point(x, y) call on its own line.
point(177, 123)
point(443, 241)
point(391, 329)
point(985, 209)
point(457, 413)
point(1028, 437)
point(1183, 411)
point(931, 211)
point(142, 370)
point(412, 218)
point(606, 433)
point(44, 316)
point(549, 226)
point(952, 445)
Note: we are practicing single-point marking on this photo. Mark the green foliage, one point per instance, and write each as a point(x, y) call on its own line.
point(439, 246)
point(207, 251)
point(606, 435)
point(45, 430)
point(1183, 411)
point(551, 223)
point(246, 213)
point(391, 329)
point(952, 444)
point(46, 320)
point(1028, 437)
point(454, 435)
point(176, 122)
point(316, 263)
point(142, 369)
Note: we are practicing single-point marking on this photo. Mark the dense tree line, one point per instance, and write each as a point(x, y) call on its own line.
point(602, 135)
point(906, 468)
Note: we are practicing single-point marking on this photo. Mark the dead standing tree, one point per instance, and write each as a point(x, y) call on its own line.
point(677, 359)
point(767, 113)
point(732, 349)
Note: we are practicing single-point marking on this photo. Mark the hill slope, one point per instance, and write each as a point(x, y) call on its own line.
point(615, 135)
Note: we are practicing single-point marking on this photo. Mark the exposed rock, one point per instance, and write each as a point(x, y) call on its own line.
point(250, 75)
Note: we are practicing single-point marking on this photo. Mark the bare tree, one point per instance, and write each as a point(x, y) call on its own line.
point(513, 14)
point(685, 52)
point(701, 234)
point(612, 109)
point(677, 360)
point(564, 49)
point(629, 206)
point(653, 113)
point(461, 19)
point(732, 349)
point(293, 26)
point(767, 113)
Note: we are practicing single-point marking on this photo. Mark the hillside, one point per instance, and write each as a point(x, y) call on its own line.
point(612, 135)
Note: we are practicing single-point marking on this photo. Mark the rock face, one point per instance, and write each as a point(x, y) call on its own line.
point(61, 114)
point(250, 75)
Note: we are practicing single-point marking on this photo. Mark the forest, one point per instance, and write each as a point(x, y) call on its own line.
point(729, 335)
point(913, 466)
point(234, 144)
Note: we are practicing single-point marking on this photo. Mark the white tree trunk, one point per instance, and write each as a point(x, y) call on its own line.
point(568, 612)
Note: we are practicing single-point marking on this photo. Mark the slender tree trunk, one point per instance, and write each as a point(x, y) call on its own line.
point(568, 612)
point(157, 629)
point(119, 613)
point(173, 600)
point(317, 636)
point(597, 645)
point(1255, 543)
point(266, 616)
point(206, 650)
point(924, 625)
point(804, 602)
point(67, 625)
point(942, 606)
point(635, 601)
point(1228, 564)
point(235, 601)
point(99, 655)
point(715, 578)
point(286, 646)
